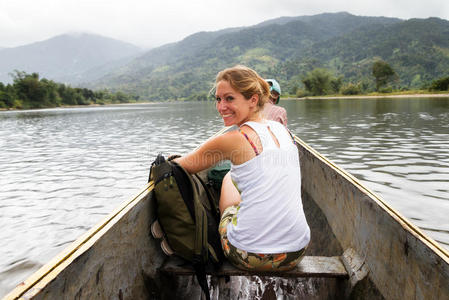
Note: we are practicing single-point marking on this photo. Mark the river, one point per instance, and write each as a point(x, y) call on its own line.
point(63, 170)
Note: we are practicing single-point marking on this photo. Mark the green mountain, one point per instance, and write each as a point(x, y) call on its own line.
point(287, 48)
point(417, 49)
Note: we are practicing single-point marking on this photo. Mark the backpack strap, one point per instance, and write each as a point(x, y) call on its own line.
point(215, 209)
point(212, 200)
point(201, 244)
point(200, 272)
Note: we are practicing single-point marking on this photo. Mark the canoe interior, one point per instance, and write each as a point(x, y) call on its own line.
point(118, 259)
point(402, 262)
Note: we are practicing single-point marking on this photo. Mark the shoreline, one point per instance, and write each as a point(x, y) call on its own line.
point(445, 95)
point(442, 95)
point(77, 106)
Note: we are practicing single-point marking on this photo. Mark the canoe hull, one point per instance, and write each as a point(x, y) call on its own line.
point(402, 262)
point(119, 259)
point(115, 260)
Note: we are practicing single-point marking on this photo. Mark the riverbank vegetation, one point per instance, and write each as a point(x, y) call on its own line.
point(385, 80)
point(29, 91)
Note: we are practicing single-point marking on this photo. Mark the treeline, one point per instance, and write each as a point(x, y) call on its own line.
point(384, 79)
point(29, 91)
point(321, 81)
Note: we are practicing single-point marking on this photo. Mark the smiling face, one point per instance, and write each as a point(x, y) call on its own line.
point(232, 105)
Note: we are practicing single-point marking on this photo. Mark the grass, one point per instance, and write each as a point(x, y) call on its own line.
point(374, 94)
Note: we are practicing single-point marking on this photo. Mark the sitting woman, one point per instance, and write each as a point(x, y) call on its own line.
point(262, 225)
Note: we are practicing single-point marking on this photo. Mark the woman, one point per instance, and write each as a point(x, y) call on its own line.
point(262, 225)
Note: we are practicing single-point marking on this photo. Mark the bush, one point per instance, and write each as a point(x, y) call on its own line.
point(17, 103)
point(351, 89)
point(336, 84)
point(388, 89)
point(300, 93)
point(441, 84)
point(198, 97)
point(318, 82)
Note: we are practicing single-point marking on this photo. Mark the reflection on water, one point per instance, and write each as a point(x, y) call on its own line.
point(63, 170)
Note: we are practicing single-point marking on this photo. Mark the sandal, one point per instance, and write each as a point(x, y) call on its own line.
point(156, 230)
point(166, 248)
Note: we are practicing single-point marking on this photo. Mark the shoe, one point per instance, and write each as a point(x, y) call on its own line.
point(156, 230)
point(166, 248)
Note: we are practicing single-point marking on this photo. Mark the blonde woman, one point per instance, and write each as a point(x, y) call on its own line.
point(262, 225)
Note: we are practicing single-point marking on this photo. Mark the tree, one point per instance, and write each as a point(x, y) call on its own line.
point(351, 89)
point(336, 84)
point(318, 82)
point(29, 89)
point(382, 73)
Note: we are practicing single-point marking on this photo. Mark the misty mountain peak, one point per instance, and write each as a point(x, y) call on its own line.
point(66, 56)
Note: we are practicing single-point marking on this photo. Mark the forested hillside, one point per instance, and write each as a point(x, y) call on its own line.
point(289, 48)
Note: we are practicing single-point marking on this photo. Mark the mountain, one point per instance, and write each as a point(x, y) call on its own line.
point(68, 58)
point(285, 48)
point(417, 49)
point(181, 69)
point(334, 23)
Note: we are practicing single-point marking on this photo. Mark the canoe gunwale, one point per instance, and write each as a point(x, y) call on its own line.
point(405, 223)
point(49, 271)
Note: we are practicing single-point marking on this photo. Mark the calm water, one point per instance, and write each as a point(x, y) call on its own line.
point(63, 170)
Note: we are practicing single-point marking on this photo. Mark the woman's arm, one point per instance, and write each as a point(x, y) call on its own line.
point(211, 152)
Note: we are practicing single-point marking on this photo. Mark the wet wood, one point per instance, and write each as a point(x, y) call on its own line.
point(310, 266)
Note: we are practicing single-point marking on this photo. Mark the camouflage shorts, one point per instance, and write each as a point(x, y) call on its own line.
point(254, 261)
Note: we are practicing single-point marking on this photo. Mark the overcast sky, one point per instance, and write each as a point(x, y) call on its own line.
point(150, 23)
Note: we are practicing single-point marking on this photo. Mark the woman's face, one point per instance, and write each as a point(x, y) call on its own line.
point(232, 105)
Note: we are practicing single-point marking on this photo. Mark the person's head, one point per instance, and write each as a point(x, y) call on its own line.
point(275, 90)
point(241, 93)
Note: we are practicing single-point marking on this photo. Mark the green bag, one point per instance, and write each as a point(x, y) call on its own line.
point(216, 174)
point(188, 215)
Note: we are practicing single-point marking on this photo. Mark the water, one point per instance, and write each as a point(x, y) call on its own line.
point(398, 147)
point(63, 170)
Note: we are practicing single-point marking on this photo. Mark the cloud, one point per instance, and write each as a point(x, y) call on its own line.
point(156, 22)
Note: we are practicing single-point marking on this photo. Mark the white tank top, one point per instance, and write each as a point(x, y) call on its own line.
point(271, 218)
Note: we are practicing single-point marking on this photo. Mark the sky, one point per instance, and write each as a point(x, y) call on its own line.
point(151, 23)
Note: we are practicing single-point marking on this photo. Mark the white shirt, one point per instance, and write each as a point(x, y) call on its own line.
point(271, 218)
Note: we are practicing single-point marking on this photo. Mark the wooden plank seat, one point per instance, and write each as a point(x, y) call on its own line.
point(310, 266)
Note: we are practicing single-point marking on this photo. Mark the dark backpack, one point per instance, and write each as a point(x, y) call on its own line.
point(188, 215)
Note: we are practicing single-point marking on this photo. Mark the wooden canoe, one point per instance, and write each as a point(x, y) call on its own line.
point(361, 248)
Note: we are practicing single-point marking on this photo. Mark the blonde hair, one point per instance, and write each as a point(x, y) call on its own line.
point(247, 82)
